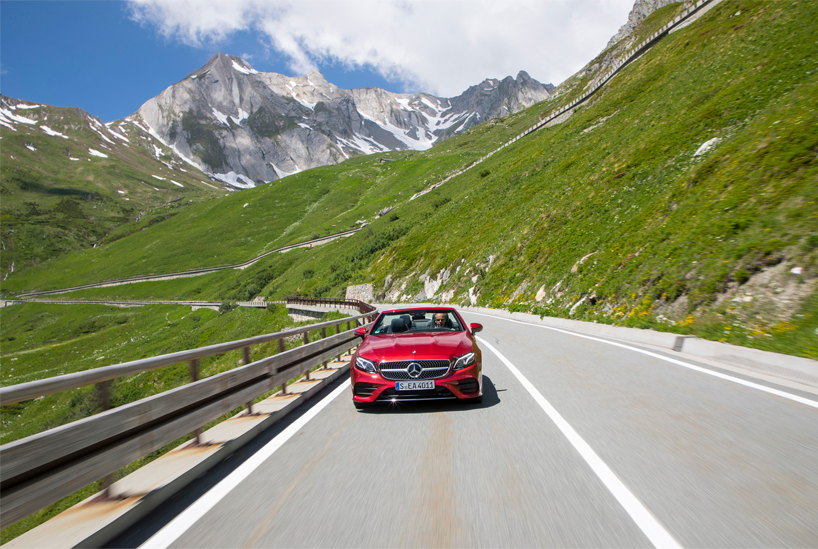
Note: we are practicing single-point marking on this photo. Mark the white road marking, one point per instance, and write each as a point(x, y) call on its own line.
point(719, 375)
point(646, 522)
point(178, 526)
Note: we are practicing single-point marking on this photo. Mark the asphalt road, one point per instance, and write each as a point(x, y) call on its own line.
point(614, 448)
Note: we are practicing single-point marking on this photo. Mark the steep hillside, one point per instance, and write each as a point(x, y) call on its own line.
point(243, 225)
point(619, 214)
point(70, 182)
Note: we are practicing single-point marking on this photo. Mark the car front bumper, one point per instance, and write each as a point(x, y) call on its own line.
point(457, 385)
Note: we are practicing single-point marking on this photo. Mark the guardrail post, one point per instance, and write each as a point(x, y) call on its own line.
point(338, 331)
point(324, 336)
point(194, 375)
point(306, 341)
point(246, 357)
point(104, 392)
point(281, 350)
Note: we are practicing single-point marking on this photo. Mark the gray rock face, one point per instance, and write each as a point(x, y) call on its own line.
point(244, 127)
point(641, 9)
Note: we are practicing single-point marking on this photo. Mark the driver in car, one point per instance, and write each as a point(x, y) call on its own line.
point(440, 320)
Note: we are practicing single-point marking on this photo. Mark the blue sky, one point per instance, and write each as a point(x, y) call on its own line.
point(109, 57)
point(91, 55)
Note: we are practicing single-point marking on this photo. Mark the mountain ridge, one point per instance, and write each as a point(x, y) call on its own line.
point(245, 127)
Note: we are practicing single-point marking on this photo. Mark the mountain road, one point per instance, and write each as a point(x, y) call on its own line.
point(578, 443)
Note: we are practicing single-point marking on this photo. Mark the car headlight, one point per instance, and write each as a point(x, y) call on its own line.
point(365, 365)
point(465, 361)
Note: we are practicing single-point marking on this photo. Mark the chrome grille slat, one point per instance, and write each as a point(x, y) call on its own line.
point(396, 370)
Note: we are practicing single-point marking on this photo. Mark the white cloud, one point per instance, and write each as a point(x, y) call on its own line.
point(441, 47)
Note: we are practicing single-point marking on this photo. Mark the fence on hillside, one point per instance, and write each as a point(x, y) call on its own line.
point(634, 53)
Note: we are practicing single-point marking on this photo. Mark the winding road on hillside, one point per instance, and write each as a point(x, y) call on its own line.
point(580, 442)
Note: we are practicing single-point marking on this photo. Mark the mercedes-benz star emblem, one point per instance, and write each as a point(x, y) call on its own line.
point(414, 370)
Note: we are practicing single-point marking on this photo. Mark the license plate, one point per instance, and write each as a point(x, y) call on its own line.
point(414, 385)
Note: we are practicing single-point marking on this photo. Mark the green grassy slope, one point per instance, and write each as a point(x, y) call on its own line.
point(56, 196)
point(694, 244)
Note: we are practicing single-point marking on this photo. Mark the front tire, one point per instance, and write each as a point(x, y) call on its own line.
point(361, 405)
point(475, 400)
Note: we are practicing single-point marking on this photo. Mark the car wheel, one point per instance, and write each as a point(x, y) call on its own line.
point(475, 400)
point(361, 405)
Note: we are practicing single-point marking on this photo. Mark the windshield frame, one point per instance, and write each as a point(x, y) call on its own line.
point(383, 324)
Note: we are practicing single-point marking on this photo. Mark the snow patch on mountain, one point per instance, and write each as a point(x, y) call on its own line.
point(52, 133)
point(243, 115)
point(220, 116)
point(117, 135)
point(244, 70)
point(16, 117)
point(150, 131)
point(95, 152)
point(281, 173)
point(102, 135)
point(237, 180)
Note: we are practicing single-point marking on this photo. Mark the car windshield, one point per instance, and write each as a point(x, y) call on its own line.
point(417, 320)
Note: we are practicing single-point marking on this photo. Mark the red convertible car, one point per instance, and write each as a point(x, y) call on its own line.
point(417, 354)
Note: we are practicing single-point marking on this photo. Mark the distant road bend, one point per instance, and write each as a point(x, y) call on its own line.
point(580, 441)
point(196, 272)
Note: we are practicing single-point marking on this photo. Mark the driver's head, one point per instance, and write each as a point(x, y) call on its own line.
point(440, 320)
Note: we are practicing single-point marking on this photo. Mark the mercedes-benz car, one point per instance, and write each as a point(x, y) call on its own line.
point(417, 354)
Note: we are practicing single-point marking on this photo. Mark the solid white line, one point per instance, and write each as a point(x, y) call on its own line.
point(178, 526)
point(651, 527)
point(719, 375)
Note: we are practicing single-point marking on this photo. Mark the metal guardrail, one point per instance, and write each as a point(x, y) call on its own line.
point(135, 303)
point(43, 468)
point(362, 306)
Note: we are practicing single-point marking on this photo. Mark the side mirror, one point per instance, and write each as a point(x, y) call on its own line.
point(361, 332)
point(475, 327)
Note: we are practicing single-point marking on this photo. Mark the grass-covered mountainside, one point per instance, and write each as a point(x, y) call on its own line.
point(68, 182)
point(609, 216)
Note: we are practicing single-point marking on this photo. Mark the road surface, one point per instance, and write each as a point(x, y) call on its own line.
point(578, 443)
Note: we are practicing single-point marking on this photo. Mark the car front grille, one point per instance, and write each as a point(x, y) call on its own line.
point(398, 370)
point(438, 393)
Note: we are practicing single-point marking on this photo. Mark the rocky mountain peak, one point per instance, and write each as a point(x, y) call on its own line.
point(245, 127)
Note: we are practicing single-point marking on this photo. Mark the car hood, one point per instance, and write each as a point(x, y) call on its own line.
point(425, 345)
